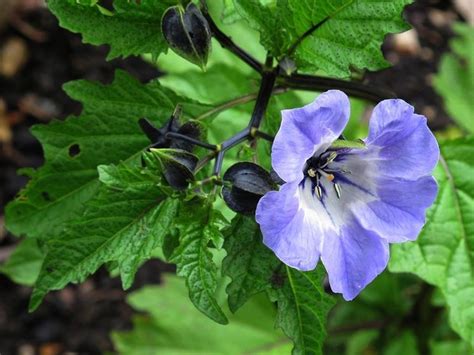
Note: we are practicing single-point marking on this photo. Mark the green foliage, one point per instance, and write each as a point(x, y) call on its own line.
point(455, 80)
point(198, 225)
point(173, 326)
point(24, 264)
point(450, 347)
point(350, 32)
point(106, 132)
point(302, 302)
point(93, 204)
point(249, 263)
point(302, 307)
point(124, 223)
point(133, 28)
point(443, 255)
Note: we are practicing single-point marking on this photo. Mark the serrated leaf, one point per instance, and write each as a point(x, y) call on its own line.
point(133, 28)
point(443, 254)
point(302, 308)
point(249, 263)
point(198, 225)
point(106, 132)
point(124, 223)
point(173, 326)
point(24, 265)
point(455, 78)
point(350, 33)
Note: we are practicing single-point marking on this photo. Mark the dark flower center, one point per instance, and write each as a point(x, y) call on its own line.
point(318, 168)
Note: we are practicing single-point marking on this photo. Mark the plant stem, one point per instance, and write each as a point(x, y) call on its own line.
point(320, 83)
point(263, 135)
point(263, 98)
point(191, 140)
point(226, 145)
point(226, 42)
point(237, 101)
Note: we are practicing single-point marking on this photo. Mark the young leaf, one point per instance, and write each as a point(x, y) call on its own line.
point(249, 263)
point(326, 35)
point(302, 308)
point(133, 28)
point(455, 78)
point(106, 132)
point(198, 225)
point(443, 254)
point(125, 223)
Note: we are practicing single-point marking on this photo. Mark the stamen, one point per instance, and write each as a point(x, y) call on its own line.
point(330, 159)
point(311, 172)
point(330, 177)
point(337, 188)
point(318, 191)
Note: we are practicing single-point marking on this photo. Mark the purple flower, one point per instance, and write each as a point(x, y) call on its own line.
point(346, 205)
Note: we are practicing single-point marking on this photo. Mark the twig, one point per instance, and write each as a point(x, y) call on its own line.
point(320, 83)
point(226, 42)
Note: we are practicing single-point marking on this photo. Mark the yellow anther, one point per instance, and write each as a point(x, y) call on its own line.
point(311, 172)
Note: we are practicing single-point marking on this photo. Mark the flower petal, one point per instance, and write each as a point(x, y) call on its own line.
point(392, 207)
point(398, 213)
point(307, 130)
point(400, 141)
point(293, 233)
point(353, 259)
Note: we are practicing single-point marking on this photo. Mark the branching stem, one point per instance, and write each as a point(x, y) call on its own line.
point(191, 140)
point(320, 83)
point(271, 76)
point(226, 42)
point(236, 102)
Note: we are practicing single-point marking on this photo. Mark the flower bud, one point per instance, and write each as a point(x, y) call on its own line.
point(159, 136)
point(176, 165)
point(187, 33)
point(244, 184)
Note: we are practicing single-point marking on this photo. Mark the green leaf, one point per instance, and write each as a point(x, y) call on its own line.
point(198, 225)
point(404, 343)
point(249, 263)
point(450, 347)
point(455, 78)
point(443, 254)
point(173, 326)
point(125, 223)
point(361, 341)
point(133, 28)
point(302, 308)
point(350, 33)
point(24, 264)
point(106, 132)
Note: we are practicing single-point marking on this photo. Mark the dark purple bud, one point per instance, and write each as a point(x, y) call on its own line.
point(187, 33)
point(244, 184)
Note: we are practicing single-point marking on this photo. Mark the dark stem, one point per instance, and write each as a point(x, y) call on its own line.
point(263, 98)
point(226, 42)
point(320, 83)
point(191, 140)
point(226, 145)
point(254, 132)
